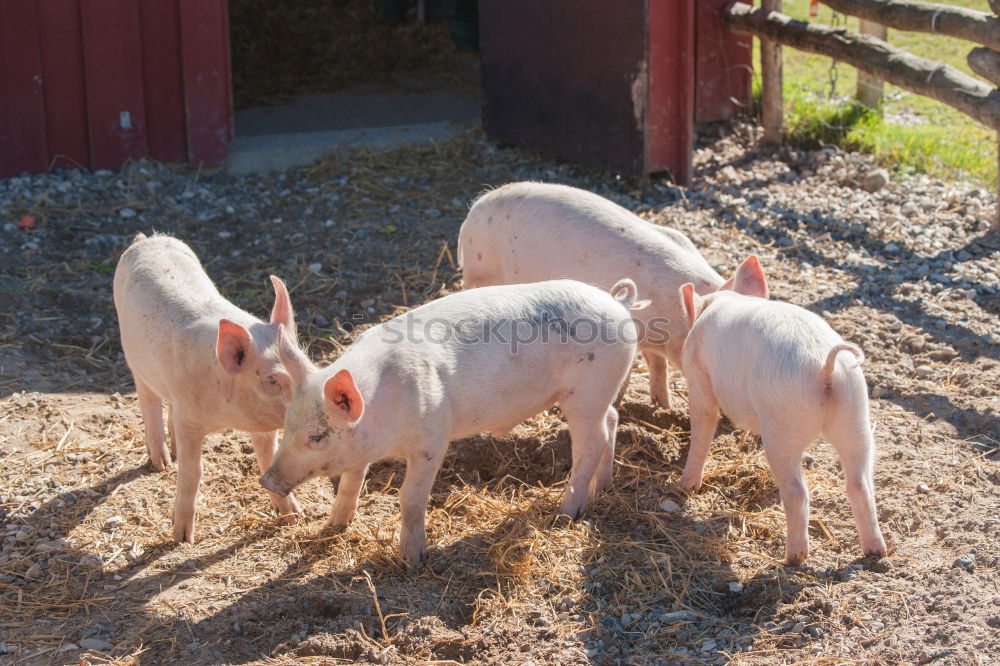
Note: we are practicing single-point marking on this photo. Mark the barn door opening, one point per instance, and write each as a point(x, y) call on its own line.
point(319, 66)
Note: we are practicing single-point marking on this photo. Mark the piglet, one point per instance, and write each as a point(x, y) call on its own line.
point(216, 366)
point(474, 361)
point(526, 232)
point(780, 371)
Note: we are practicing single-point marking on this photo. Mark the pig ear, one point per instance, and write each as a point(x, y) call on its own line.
point(728, 284)
point(282, 313)
point(295, 361)
point(342, 396)
point(749, 279)
point(234, 346)
point(693, 303)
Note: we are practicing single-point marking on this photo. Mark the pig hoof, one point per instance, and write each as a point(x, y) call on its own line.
point(690, 486)
point(795, 559)
point(413, 560)
point(289, 518)
point(183, 531)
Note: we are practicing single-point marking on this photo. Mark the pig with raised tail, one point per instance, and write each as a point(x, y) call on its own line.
point(470, 362)
point(216, 366)
point(779, 370)
point(527, 232)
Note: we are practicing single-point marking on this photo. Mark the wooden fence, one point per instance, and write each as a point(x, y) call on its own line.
point(875, 57)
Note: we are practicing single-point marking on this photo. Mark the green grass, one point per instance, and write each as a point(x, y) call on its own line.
point(912, 133)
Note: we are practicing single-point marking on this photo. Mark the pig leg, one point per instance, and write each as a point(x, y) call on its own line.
point(623, 390)
point(589, 441)
point(704, 419)
point(346, 504)
point(189, 472)
point(421, 469)
point(171, 439)
point(658, 388)
point(784, 455)
point(854, 442)
point(152, 418)
point(264, 446)
point(602, 478)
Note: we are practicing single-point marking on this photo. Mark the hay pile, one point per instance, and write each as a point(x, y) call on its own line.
point(282, 49)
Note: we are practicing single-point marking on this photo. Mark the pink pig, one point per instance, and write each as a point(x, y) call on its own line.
point(527, 232)
point(216, 366)
point(780, 371)
point(473, 361)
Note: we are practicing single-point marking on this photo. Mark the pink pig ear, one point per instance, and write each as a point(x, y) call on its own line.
point(342, 396)
point(233, 347)
point(295, 361)
point(282, 312)
point(693, 303)
point(749, 279)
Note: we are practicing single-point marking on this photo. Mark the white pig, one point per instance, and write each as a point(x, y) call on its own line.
point(527, 232)
point(474, 361)
point(216, 366)
point(780, 371)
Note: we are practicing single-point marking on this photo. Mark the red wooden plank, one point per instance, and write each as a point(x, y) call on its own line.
point(670, 113)
point(204, 61)
point(166, 128)
point(112, 56)
point(227, 50)
point(723, 70)
point(65, 96)
point(22, 136)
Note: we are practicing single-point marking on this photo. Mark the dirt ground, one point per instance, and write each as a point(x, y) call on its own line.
point(89, 574)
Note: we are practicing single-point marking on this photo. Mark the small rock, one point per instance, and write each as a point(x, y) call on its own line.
point(669, 505)
point(69, 647)
point(799, 628)
point(225, 235)
point(113, 522)
point(675, 616)
point(320, 320)
point(432, 212)
point(874, 180)
point(736, 587)
point(708, 646)
point(891, 248)
point(923, 371)
point(315, 267)
point(923, 488)
point(964, 562)
point(96, 644)
point(943, 355)
point(34, 571)
point(126, 213)
point(808, 460)
point(815, 632)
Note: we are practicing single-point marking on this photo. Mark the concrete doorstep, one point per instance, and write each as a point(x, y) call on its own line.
point(277, 152)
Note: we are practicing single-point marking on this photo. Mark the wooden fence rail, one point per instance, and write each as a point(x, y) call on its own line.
point(914, 16)
point(873, 56)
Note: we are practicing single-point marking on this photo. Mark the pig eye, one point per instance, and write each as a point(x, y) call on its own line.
point(314, 441)
point(272, 386)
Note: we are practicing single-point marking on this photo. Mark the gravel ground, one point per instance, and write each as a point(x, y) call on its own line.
point(907, 271)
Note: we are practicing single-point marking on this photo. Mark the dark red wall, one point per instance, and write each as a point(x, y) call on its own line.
point(95, 83)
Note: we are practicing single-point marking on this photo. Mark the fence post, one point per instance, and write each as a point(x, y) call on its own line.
point(869, 91)
point(771, 82)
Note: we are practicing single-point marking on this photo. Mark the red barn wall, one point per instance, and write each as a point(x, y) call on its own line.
point(95, 83)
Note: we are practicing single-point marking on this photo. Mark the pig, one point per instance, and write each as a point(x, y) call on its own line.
point(473, 361)
point(528, 232)
point(216, 366)
point(780, 371)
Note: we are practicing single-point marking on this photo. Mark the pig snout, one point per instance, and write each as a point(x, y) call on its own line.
point(274, 483)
